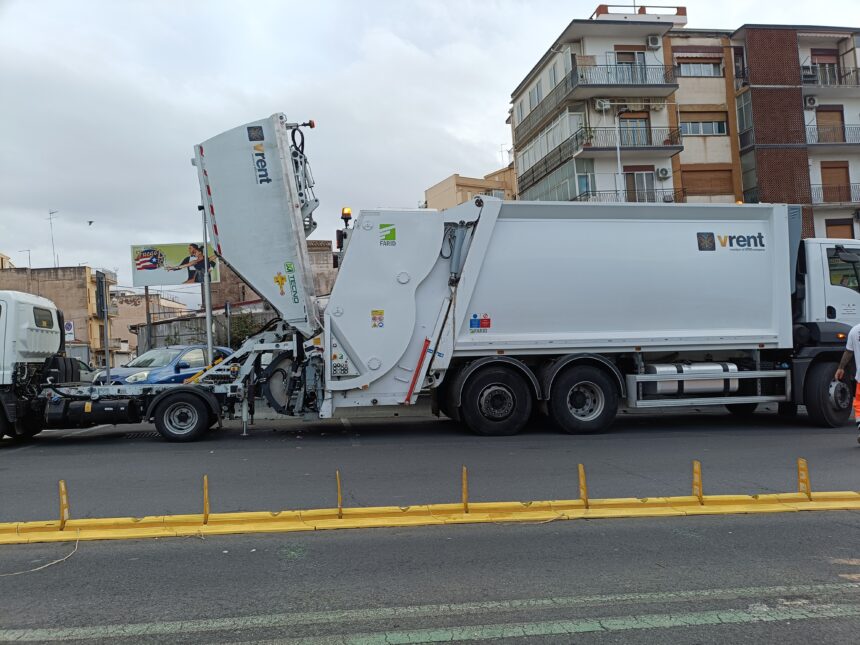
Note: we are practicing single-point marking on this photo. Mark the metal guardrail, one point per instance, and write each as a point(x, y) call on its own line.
point(592, 75)
point(650, 196)
point(832, 134)
point(830, 194)
point(829, 75)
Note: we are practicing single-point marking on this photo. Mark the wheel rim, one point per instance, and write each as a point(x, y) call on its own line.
point(181, 418)
point(496, 402)
point(586, 401)
point(840, 395)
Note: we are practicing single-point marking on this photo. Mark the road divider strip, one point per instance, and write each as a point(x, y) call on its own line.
point(66, 529)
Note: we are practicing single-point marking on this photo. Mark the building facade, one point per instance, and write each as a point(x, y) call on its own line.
point(456, 189)
point(630, 105)
point(131, 311)
point(73, 290)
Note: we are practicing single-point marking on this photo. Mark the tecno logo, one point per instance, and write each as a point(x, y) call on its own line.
point(709, 242)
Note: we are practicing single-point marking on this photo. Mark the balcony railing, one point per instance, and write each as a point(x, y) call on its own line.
point(597, 139)
point(830, 194)
point(833, 134)
point(592, 76)
point(829, 75)
point(644, 195)
point(629, 137)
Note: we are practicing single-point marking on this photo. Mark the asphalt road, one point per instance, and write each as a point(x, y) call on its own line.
point(788, 578)
point(130, 471)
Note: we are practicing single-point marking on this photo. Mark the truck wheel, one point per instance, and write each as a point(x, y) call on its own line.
point(828, 403)
point(182, 417)
point(6, 428)
point(496, 402)
point(583, 400)
point(742, 409)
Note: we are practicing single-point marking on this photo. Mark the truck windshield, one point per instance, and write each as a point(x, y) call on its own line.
point(155, 358)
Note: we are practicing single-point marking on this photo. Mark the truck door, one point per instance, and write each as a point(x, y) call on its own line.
point(842, 284)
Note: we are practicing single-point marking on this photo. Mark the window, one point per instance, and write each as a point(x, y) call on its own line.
point(700, 69)
point(842, 274)
point(194, 358)
point(749, 177)
point(553, 74)
point(520, 112)
point(43, 318)
point(745, 120)
point(535, 95)
point(707, 182)
point(839, 228)
point(703, 128)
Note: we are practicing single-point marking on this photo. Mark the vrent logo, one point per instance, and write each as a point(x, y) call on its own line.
point(259, 158)
point(710, 242)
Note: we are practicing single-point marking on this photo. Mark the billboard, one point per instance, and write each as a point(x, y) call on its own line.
point(154, 265)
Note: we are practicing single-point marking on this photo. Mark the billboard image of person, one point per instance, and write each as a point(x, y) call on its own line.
point(172, 264)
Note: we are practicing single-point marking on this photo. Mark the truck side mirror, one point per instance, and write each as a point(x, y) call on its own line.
point(847, 256)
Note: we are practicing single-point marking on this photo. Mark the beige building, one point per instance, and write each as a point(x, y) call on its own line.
point(73, 290)
point(457, 189)
point(234, 290)
point(6, 262)
point(131, 310)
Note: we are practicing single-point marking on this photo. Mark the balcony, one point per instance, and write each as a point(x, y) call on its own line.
point(585, 82)
point(646, 196)
point(593, 143)
point(831, 80)
point(635, 142)
point(832, 137)
point(823, 194)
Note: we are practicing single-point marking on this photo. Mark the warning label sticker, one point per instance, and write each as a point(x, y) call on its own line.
point(377, 318)
point(480, 323)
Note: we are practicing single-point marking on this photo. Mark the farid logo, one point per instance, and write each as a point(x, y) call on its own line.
point(387, 235)
point(709, 242)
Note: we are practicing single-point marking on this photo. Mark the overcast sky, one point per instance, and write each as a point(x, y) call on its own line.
point(101, 102)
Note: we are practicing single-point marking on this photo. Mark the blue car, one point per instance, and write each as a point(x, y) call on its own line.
point(172, 364)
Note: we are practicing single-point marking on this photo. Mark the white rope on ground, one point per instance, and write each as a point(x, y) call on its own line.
point(44, 566)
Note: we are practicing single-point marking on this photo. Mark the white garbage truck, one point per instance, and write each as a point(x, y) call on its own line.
point(494, 310)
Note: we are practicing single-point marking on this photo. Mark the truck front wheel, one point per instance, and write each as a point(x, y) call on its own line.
point(583, 400)
point(828, 402)
point(496, 402)
point(182, 417)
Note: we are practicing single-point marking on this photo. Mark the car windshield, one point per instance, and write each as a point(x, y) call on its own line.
point(155, 358)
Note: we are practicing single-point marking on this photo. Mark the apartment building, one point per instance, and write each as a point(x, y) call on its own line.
point(456, 189)
point(72, 289)
point(798, 105)
point(631, 105)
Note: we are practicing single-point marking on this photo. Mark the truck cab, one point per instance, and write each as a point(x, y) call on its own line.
point(832, 280)
point(31, 332)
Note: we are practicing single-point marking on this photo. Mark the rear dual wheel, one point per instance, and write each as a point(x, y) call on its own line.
point(496, 402)
point(583, 400)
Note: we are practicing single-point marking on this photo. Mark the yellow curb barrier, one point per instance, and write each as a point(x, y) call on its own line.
point(466, 512)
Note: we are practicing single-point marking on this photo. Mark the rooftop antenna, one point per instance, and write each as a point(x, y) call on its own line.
point(51, 215)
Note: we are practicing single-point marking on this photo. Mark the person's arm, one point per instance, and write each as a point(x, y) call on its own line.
point(847, 355)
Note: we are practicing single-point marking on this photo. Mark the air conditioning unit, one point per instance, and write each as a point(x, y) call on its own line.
point(653, 42)
point(663, 174)
point(811, 102)
point(602, 105)
point(656, 106)
point(636, 105)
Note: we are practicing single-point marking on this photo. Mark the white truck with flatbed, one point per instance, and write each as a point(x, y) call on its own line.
point(493, 309)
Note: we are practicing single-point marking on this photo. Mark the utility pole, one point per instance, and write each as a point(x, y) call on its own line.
point(147, 344)
point(51, 215)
